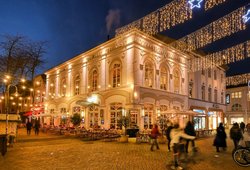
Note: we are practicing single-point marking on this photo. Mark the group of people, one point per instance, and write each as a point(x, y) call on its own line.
point(29, 126)
point(174, 136)
point(240, 134)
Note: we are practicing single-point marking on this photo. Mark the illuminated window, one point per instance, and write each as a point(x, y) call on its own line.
point(240, 94)
point(149, 74)
point(233, 95)
point(177, 81)
point(163, 79)
point(116, 75)
point(77, 85)
point(52, 89)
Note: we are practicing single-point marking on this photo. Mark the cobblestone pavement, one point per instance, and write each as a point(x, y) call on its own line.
point(63, 153)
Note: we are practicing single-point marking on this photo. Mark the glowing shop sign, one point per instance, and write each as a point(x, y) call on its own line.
point(246, 17)
point(195, 3)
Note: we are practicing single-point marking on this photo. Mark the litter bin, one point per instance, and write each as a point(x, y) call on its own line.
point(3, 144)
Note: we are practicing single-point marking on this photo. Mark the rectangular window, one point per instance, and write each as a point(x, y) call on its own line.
point(215, 75)
point(233, 95)
point(240, 95)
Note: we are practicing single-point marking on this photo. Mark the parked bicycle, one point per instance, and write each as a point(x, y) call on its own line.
point(241, 156)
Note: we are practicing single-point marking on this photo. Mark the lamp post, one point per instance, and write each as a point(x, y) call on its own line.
point(7, 93)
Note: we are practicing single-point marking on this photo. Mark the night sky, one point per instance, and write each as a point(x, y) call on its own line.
point(74, 26)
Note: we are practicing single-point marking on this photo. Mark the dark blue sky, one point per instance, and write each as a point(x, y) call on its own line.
point(74, 26)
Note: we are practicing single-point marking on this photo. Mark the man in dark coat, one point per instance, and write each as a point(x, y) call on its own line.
point(242, 126)
point(168, 130)
point(28, 126)
point(235, 134)
point(189, 130)
point(220, 138)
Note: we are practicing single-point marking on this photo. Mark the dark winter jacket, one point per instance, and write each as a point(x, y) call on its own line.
point(220, 138)
point(189, 129)
point(235, 133)
point(168, 130)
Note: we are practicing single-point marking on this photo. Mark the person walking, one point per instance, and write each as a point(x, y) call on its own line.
point(245, 141)
point(28, 127)
point(189, 130)
point(168, 130)
point(235, 134)
point(242, 126)
point(154, 134)
point(220, 138)
point(37, 126)
point(176, 135)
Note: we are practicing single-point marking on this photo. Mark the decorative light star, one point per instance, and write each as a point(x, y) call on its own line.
point(246, 17)
point(195, 3)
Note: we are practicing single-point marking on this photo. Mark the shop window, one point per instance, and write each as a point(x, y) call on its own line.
point(148, 74)
point(115, 115)
point(77, 85)
point(163, 79)
point(236, 107)
point(148, 113)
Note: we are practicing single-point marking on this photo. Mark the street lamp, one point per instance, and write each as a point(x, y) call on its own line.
point(7, 94)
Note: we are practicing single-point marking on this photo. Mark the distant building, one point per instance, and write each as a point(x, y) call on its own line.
point(238, 99)
point(136, 75)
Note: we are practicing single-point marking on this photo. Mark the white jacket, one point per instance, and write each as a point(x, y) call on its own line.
point(176, 134)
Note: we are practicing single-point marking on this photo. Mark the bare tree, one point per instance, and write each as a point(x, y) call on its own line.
point(20, 57)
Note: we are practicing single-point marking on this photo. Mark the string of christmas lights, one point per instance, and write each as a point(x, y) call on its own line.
point(237, 80)
point(212, 3)
point(218, 29)
point(230, 55)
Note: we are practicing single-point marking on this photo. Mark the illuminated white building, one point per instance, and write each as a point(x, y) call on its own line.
point(238, 99)
point(133, 74)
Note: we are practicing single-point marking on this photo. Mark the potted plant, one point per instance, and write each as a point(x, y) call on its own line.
point(123, 123)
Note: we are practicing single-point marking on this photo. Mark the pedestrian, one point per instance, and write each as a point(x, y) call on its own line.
point(235, 134)
point(37, 126)
point(245, 140)
point(189, 130)
point(220, 138)
point(28, 127)
point(154, 135)
point(176, 135)
point(242, 126)
point(168, 130)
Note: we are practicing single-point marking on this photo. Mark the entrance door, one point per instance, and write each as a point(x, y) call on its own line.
point(148, 111)
point(115, 115)
point(93, 116)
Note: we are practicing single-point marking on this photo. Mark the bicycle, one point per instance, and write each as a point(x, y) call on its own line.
point(241, 156)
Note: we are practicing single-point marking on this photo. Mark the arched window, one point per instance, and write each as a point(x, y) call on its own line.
point(116, 74)
point(149, 74)
point(215, 95)
point(77, 85)
point(94, 78)
point(210, 94)
point(163, 78)
point(63, 87)
point(177, 81)
point(236, 107)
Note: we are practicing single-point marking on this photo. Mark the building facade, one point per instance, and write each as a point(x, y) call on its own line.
point(133, 74)
point(238, 99)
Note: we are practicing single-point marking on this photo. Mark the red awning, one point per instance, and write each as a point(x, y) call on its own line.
point(27, 113)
